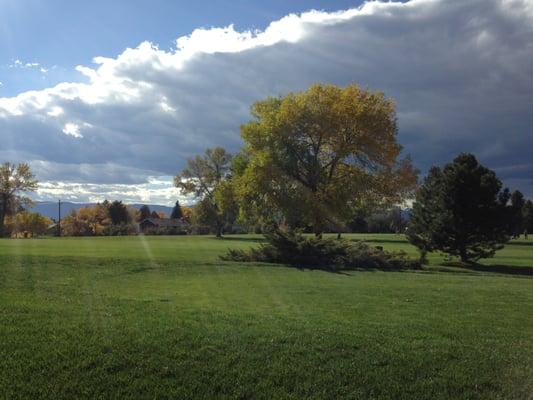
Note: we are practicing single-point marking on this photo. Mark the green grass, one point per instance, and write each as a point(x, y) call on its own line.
point(162, 317)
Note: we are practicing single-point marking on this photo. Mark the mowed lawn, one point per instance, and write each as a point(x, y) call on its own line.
point(162, 317)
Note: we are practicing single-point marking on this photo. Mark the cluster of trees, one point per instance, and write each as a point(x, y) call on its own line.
point(27, 224)
point(313, 159)
point(325, 159)
point(111, 219)
point(14, 181)
point(96, 220)
point(107, 218)
point(461, 210)
point(144, 213)
point(393, 220)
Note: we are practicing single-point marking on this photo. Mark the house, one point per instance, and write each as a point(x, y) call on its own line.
point(163, 226)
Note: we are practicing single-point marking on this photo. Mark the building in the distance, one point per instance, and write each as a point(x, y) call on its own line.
point(163, 226)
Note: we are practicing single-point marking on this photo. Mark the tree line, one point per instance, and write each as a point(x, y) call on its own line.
point(314, 159)
point(326, 159)
point(114, 218)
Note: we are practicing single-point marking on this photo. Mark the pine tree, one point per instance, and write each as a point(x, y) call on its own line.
point(144, 212)
point(118, 213)
point(516, 218)
point(177, 213)
point(527, 215)
point(460, 210)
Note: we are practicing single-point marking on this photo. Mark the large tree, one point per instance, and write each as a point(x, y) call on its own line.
point(320, 155)
point(14, 181)
point(460, 210)
point(207, 178)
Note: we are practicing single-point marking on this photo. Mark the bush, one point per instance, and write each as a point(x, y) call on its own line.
point(331, 254)
point(197, 229)
point(164, 231)
point(120, 230)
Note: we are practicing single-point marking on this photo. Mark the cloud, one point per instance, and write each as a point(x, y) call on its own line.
point(152, 191)
point(460, 73)
point(71, 129)
point(25, 65)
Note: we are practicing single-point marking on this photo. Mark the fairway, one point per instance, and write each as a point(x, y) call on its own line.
point(163, 317)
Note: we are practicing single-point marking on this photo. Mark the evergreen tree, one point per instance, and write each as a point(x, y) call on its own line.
point(516, 217)
point(144, 212)
point(118, 213)
point(527, 215)
point(177, 213)
point(460, 210)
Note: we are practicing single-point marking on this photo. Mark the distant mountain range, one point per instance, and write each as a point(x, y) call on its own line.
point(49, 208)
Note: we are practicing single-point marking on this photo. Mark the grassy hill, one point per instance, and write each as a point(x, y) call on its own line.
point(162, 317)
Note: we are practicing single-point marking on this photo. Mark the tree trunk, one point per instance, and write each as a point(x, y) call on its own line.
point(463, 255)
point(2, 218)
point(423, 257)
point(219, 231)
point(317, 229)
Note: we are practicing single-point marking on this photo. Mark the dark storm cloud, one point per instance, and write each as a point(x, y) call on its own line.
point(460, 73)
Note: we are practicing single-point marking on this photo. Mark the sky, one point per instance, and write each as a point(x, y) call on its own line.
point(108, 99)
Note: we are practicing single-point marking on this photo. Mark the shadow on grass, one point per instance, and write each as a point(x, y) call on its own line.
point(497, 269)
point(399, 240)
point(494, 268)
point(447, 268)
point(521, 243)
point(504, 269)
point(240, 239)
point(305, 268)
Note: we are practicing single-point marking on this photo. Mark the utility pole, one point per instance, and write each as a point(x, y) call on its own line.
point(59, 219)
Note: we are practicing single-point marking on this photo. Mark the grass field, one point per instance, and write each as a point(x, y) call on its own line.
point(162, 317)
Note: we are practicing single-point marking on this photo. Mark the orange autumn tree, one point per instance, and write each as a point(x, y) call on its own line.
point(15, 180)
point(86, 221)
point(323, 153)
point(25, 222)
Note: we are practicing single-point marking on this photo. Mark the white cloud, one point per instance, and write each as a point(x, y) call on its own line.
point(55, 111)
point(460, 72)
point(72, 129)
point(165, 106)
point(154, 191)
point(20, 64)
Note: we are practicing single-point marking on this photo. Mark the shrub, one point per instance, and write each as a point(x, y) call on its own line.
point(164, 231)
point(331, 254)
point(120, 230)
point(197, 229)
